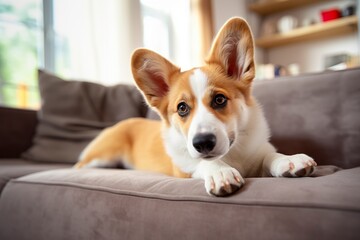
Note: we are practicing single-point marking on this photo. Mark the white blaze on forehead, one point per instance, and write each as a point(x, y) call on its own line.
point(198, 83)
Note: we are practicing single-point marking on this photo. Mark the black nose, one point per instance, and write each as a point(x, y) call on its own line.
point(204, 142)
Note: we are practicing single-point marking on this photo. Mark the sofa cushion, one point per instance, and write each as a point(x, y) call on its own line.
point(74, 112)
point(317, 114)
point(129, 204)
point(14, 168)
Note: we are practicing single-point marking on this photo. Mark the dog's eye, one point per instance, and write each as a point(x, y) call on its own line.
point(219, 101)
point(183, 109)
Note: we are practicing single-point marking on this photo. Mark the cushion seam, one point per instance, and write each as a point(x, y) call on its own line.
point(159, 196)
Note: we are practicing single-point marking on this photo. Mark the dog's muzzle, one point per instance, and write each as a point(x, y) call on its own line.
point(204, 143)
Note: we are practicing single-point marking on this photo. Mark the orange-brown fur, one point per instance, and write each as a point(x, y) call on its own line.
point(126, 140)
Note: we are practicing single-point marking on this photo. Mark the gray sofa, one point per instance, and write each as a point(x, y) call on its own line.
point(42, 197)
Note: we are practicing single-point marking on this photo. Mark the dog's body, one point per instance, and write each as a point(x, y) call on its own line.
point(212, 127)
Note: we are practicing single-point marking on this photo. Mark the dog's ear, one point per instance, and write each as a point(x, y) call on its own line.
point(233, 49)
point(152, 75)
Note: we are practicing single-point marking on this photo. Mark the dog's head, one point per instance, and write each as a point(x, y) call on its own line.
point(207, 106)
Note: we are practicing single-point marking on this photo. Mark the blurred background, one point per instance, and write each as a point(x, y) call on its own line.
point(93, 40)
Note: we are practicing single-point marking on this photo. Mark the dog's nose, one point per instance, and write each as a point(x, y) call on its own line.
point(204, 142)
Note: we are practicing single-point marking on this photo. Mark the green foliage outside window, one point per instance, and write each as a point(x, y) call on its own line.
point(21, 48)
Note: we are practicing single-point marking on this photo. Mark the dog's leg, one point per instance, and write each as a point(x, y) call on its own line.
point(97, 163)
point(280, 165)
point(91, 158)
point(220, 179)
point(105, 150)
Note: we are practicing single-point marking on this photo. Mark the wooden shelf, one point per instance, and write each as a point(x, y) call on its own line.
point(265, 7)
point(321, 30)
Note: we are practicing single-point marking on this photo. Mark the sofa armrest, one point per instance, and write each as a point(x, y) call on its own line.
point(17, 129)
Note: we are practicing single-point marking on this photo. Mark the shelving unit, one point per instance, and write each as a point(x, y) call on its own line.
point(321, 30)
point(274, 6)
point(272, 49)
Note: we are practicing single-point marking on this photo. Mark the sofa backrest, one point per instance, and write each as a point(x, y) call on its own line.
point(74, 112)
point(317, 114)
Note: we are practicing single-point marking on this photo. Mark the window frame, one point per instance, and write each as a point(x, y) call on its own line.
point(166, 19)
point(49, 35)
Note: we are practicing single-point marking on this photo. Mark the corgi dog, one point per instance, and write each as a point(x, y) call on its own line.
point(211, 126)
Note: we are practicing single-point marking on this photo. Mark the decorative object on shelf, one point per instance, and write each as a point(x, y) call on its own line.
point(287, 23)
point(268, 28)
point(328, 29)
point(306, 22)
point(330, 14)
point(293, 69)
point(265, 72)
point(280, 71)
point(348, 11)
point(270, 71)
point(340, 61)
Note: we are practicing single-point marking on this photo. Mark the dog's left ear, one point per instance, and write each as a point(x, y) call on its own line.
point(152, 74)
point(233, 49)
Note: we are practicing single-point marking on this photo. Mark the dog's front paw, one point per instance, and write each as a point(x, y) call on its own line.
point(220, 179)
point(223, 182)
point(298, 165)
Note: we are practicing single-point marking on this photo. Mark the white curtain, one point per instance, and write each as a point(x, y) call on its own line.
point(95, 39)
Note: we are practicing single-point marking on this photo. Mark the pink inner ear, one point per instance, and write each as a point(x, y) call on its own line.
point(160, 87)
point(232, 64)
point(156, 83)
point(230, 53)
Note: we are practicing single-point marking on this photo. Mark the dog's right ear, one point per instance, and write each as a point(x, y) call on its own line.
point(152, 74)
point(233, 49)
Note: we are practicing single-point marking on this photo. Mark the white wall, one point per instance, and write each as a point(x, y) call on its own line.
point(309, 55)
point(225, 9)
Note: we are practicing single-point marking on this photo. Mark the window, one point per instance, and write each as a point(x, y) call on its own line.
point(21, 51)
point(73, 39)
point(167, 28)
point(85, 39)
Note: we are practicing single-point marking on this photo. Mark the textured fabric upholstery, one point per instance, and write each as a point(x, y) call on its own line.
point(14, 168)
point(126, 204)
point(317, 114)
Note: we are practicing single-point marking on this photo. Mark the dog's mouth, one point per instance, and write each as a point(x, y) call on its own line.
point(231, 141)
point(209, 157)
point(231, 138)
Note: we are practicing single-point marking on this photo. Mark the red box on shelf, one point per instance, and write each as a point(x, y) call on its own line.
point(330, 14)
